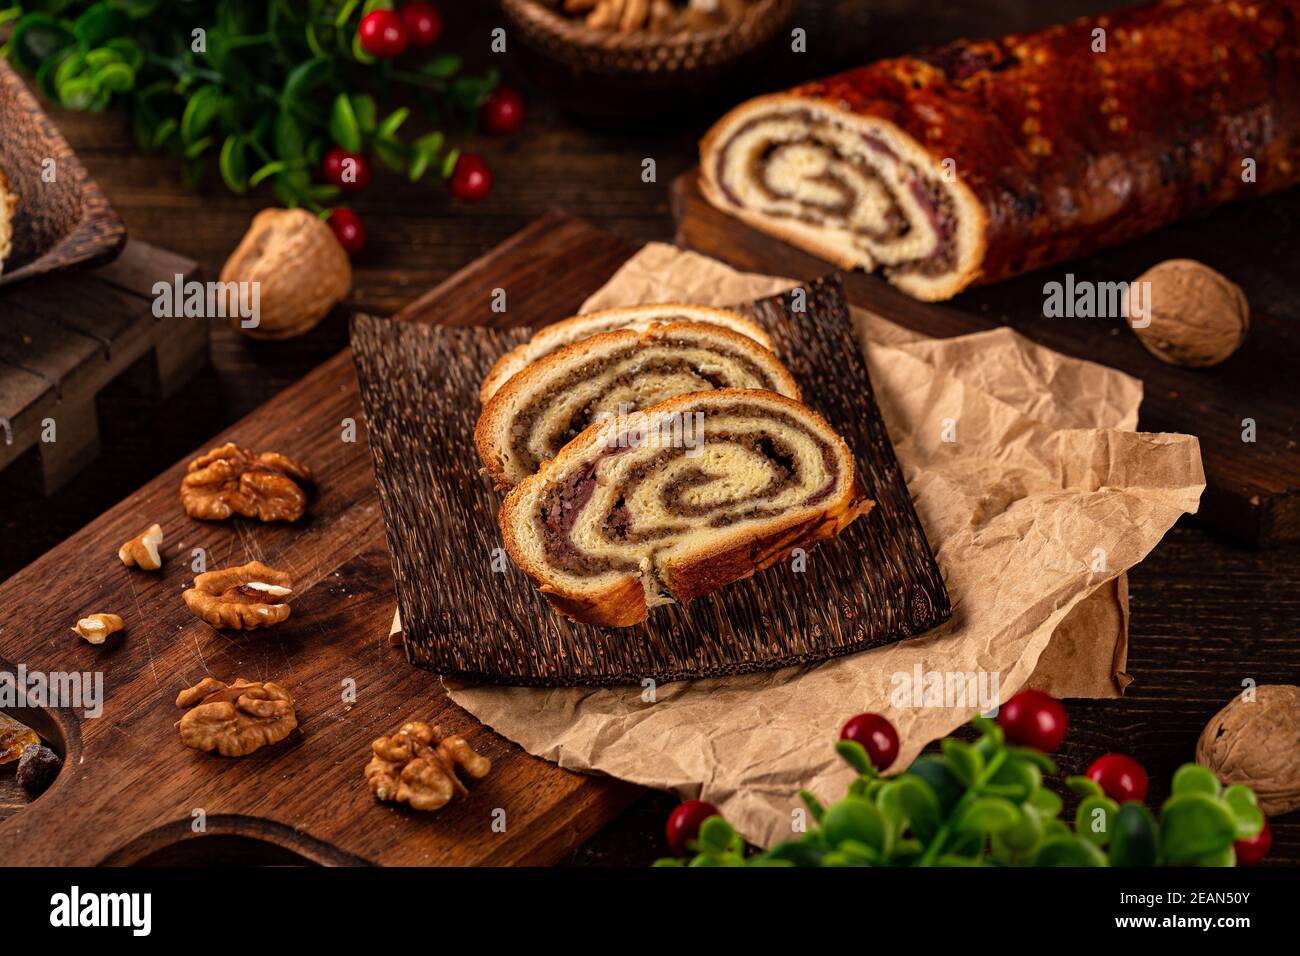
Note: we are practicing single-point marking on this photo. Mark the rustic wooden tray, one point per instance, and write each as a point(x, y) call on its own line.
point(1253, 487)
point(467, 615)
point(61, 223)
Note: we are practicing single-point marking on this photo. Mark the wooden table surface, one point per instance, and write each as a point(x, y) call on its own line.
point(1205, 614)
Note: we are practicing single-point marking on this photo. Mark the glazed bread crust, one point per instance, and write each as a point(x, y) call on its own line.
point(608, 532)
point(639, 317)
point(1034, 149)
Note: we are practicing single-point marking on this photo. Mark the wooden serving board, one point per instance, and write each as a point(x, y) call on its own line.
point(467, 610)
point(1253, 492)
point(130, 792)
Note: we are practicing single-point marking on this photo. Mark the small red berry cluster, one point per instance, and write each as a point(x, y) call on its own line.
point(1031, 718)
point(385, 34)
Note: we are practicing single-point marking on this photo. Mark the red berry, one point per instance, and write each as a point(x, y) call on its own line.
point(349, 171)
point(684, 824)
point(1250, 852)
point(471, 180)
point(382, 34)
point(503, 110)
point(1121, 778)
point(1034, 719)
point(348, 230)
point(423, 23)
point(877, 737)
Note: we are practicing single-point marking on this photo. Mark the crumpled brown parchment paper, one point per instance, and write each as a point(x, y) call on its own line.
point(1036, 496)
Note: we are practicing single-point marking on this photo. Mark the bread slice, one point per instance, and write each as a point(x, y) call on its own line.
point(8, 206)
point(638, 317)
point(626, 518)
point(609, 375)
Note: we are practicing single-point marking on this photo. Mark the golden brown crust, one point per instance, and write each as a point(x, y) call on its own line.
point(526, 353)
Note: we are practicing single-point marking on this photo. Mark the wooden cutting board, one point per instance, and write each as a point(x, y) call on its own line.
point(1253, 492)
point(130, 792)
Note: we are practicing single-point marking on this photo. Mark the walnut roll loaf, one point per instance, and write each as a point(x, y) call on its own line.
point(984, 159)
point(539, 409)
point(673, 502)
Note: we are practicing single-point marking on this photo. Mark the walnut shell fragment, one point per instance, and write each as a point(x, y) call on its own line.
point(234, 481)
point(96, 627)
point(243, 598)
point(142, 550)
point(1198, 316)
point(1257, 743)
point(409, 768)
point(235, 719)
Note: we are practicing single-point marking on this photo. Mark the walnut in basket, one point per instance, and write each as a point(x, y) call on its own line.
point(235, 719)
point(417, 766)
point(234, 481)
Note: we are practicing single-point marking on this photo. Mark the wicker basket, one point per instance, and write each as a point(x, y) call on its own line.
point(628, 75)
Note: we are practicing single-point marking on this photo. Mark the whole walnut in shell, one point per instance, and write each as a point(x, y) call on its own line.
point(1257, 743)
point(300, 268)
point(1196, 317)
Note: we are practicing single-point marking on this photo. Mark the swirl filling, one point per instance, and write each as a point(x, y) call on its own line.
point(855, 192)
point(542, 408)
point(621, 511)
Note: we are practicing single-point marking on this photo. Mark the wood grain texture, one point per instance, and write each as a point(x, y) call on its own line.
point(1253, 492)
point(467, 610)
point(61, 224)
point(63, 339)
point(129, 789)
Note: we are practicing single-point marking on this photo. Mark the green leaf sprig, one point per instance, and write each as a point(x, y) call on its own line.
point(265, 86)
point(984, 804)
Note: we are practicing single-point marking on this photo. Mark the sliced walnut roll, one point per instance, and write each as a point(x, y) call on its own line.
point(531, 417)
point(638, 317)
point(985, 159)
point(674, 502)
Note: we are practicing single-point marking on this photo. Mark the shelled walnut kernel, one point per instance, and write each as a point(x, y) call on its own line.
point(235, 719)
point(409, 768)
point(142, 550)
point(234, 481)
point(250, 596)
point(96, 627)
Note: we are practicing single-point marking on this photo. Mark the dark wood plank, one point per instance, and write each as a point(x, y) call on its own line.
point(1254, 487)
point(128, 789)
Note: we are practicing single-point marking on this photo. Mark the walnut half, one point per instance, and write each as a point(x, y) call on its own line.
point(233, 481)
point(243, 598)
point(142, 550)
point(409, 768)
point(235, 719)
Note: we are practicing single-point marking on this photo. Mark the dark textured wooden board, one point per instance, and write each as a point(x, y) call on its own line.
point(129, 790)
point(64, 338)
point(1253, 492)
point(62, 222)
point(464, 613)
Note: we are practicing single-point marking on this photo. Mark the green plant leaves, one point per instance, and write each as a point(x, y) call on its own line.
point(908, 802)
point(1134, 837)
point(1193, 778)
point(1068, 851)
point(1084, 786)
point(1244, 806)
point(234, 163)
point(199, 113)
point(344, 128)
point(856, 819)
point(962, 759)
point(36, 37)
point(1195, 825)
point(1094, 820)
point(855, 756)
